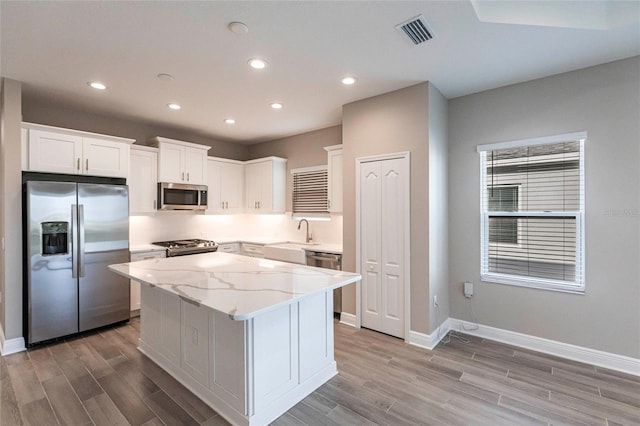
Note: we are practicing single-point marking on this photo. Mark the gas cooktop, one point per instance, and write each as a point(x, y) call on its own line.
point(184, 247)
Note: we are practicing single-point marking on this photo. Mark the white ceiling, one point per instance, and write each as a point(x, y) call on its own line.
point(54, 48)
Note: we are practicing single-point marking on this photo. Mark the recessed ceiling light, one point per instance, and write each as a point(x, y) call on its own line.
point(165, 77)
point(97, 85)
point(238, 28)
point(174, 106)
point(276, 105)
point(258, 64)
point(348, 81)
point(230, 121)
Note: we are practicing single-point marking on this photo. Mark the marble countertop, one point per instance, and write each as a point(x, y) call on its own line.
point(239, 286)
point(142, 248)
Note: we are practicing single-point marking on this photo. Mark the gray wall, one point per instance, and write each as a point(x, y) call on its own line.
point(304, 150)
point(11, 210)
point(45, 111)
point(438, 208)
point(388, 123)
point(604, 101)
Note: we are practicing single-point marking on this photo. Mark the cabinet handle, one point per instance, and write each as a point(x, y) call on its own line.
point(78, 166)
point(187, 176)
point(259, 204)
point(154, 204)
point(87, 164)
point(226, 205)
point(182, 176)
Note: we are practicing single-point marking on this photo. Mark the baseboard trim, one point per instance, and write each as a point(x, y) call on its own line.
point(429, 341)
point(11, 346)
point(595, 357)
point(348, 319)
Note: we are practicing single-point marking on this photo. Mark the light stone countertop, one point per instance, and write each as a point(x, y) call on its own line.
point(143, 248)
point(239, 286)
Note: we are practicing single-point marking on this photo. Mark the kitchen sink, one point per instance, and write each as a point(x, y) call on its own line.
point(292, 252)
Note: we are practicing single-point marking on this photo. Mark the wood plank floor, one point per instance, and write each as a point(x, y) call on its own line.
point(101, 379)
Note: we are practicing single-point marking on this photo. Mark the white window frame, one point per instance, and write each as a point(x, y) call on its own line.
point(577, 286)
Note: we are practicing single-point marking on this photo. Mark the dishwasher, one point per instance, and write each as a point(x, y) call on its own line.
point(329, 261)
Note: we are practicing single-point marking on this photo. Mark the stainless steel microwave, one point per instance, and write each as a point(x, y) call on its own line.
point(180, 196)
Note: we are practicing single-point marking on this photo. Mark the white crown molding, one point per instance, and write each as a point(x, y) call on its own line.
point(595, 357)
point(11, 346)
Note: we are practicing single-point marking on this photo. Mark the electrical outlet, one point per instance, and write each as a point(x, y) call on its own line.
point(435, 301)
point(468, 290)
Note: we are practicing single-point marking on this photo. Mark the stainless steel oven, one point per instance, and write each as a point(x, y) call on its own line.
point(329, 261)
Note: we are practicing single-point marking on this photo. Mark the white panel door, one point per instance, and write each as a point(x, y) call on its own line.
point(383, 206)
point(233, 187)
point(370, 235)
point(143, 181)
point(392, 247)
point(195, 341)
point(214, 186)
point(171, 164)
point(55, 152)
point(195, 166)
point(105, 158)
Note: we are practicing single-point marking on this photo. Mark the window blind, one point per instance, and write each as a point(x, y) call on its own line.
point(532, 215)
point(310, 191)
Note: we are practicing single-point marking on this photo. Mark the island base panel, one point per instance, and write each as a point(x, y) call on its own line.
point(250, 372)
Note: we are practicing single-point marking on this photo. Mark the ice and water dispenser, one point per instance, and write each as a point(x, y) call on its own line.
point(55, 237)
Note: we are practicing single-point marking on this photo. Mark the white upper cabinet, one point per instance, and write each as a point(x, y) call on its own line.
point(181, 162)
point(334, 171)
point(226, 186)
point(265, 185)
point(143, 180)
point(56, 150)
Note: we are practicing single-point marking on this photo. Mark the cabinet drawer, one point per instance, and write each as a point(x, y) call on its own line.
point(148, 255)
point(253, 249)
point(229, 247)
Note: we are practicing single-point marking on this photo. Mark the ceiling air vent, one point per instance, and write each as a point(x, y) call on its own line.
point(416, 30)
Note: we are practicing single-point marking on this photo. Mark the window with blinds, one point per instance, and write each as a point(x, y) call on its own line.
point(310, 190)
point(532, 224)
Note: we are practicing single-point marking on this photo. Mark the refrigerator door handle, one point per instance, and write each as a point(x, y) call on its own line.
point(74, 245)
point(81, 239)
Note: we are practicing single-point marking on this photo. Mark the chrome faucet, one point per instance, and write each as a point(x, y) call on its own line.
point(308, 238)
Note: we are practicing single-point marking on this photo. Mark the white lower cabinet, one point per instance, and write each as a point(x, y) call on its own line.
point(229, 248)
point(135, 285)
point(252, 250)
point(250, 372)
point(195, 341)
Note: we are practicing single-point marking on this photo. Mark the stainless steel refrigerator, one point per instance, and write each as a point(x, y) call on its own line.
point(73, 231)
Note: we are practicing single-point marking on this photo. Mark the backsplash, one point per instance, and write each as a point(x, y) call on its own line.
point(174, 225)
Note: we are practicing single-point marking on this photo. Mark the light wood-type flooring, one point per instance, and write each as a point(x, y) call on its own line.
point(102, 379)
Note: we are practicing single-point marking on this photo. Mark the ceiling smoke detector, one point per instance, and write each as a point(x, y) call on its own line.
point(416, 30)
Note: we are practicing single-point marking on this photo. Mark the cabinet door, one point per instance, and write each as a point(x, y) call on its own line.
point(170, 330)
point(143, 181)
point(171, 163)
point(265, 196)
point(55, 152)
point(195, 342)
point(214, 185)
point(335, 181)
point(105, 158)
point(150, 316)
point(232, 189)
point(135, 291)
point(252, 186)
point(195, 166)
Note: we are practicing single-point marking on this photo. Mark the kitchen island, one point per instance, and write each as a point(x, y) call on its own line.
point(251, 337)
